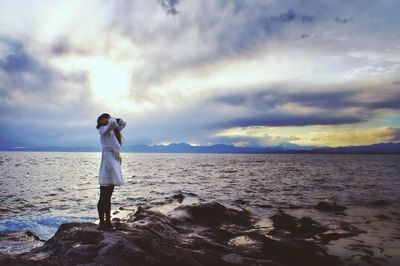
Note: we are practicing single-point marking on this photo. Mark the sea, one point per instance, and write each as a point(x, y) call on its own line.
point(41, 190)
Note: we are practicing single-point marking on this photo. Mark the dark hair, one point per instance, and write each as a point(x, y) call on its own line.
point(105, 115)
point(116, 130)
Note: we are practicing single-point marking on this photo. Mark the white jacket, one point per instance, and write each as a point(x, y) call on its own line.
point(110, 166)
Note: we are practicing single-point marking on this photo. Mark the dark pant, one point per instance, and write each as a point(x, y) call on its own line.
point(104, 204)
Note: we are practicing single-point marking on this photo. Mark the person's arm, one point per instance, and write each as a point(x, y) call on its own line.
point(112, 123)
point(121, 123)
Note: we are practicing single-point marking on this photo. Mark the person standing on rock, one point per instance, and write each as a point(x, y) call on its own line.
point(110, 174)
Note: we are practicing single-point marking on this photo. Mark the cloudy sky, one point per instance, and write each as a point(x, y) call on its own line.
point(245, 72)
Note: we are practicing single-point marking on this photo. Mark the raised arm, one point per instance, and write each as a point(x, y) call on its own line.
point(112, 123)
point(121, 123)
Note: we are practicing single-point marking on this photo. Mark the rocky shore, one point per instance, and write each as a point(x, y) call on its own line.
point(204, 233)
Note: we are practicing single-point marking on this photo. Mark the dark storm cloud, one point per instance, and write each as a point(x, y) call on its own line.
point(273, 98)
point(286, 17)
point(258, 28)
point(37, 101)
point(265, 107)
point(343, 20)
point(17, 59)
point(329, 100)
point(293, 119)
point(290, 16)
point(392, 102)
point(16, 64)
point(169, 6)
point(27, 76)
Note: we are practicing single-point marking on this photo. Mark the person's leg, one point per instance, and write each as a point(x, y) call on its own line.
point(101, 204)
point(107, 206)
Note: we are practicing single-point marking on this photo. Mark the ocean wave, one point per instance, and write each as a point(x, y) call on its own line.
point(44, 227)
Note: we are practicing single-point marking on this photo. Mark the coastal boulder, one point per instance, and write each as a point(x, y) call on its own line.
point(329, 207)
point(215, 214)
point(301, 228)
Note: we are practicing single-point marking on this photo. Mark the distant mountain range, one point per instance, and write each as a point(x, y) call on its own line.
point(374, 148)
point(393, 148)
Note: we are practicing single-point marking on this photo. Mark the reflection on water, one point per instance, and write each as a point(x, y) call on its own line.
point(65, 184)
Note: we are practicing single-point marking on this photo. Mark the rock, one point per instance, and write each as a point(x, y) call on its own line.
point(240, 202)
point(121, 252)
point(382, 217)
point(18, 260)
point(179, 197)
point(343, 231)
point(81, 254)
point(35, 237)
point(19, 242)
point(304, 227)
point(200, 234)
point(214, 214)
point(329, 207)
point(378, 203)
point(297, 253)
point(264, 206)
point(284, 221)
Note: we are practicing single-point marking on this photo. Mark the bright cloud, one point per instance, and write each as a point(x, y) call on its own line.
point(313, 136)
point(243, 72)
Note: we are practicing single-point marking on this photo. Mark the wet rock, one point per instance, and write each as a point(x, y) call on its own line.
point(18, 242)
point(351, 228)
point(35, 237)
point(382, 217)
point(329, 207)
point(122, 252)
point(264, 206)
point(240, 202)
point(18, 260)
point(179, 197)
point(199, 234)
point(214, 214)
point(80, 254)
point(297, 253)
point(343, 231)
point(378, 203)
point(304, 227)
point(326, 238)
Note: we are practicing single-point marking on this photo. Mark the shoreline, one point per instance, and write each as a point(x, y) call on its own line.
point(331, 233)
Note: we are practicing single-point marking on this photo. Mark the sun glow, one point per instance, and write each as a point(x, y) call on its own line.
point(109, 81)
point(108, 67)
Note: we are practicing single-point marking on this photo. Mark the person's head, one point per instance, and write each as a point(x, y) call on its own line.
point(102, 120)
